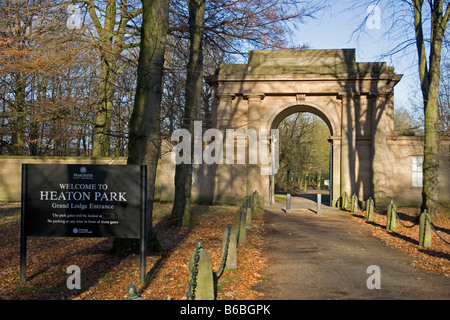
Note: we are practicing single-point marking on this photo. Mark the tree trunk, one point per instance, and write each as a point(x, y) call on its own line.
point(181, 211)
point(430, 191)
point(430, 79)
point(101, 138)
point(306, 182)
point(288, 173)
point(17, 135)
point(111, 43)
point(319, 180)
point(145, 123)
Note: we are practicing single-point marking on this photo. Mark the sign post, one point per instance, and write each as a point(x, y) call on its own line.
point(23, 235)
point(143, 223)
point(83, 201)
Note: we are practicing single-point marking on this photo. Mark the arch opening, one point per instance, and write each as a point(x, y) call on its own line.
point(301, 108)
point(305, 155)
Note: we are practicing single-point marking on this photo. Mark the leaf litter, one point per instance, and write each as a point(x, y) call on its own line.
point(105, 276)
point(406, 238)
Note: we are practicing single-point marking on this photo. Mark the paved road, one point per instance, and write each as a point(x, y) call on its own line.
point(326, 256)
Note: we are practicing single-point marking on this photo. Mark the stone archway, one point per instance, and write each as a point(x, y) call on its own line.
point(354, 99)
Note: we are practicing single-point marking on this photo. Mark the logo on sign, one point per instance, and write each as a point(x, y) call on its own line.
point(76, 230)
point(83, 175)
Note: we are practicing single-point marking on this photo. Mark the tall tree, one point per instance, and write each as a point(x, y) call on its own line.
point(181, 211)
point(428, 22)
point(114, 37)
point(429, 73)
point(145, 124)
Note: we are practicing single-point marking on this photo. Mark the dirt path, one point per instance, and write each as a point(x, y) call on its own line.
point(326, 256)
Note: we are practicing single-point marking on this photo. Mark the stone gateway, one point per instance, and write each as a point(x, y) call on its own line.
point(355, 100)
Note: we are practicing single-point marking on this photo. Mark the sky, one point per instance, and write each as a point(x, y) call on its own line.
point(333, 29)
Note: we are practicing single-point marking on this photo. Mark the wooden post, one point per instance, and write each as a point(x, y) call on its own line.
point(240, 223)
point(369, 209)
point(344, 201)
point(248, 213)
point(231, 262)
point(353, 207)
point(391, 217)
point(253, 202)
point(260, 200)
point(424, 230)
point(204, 288)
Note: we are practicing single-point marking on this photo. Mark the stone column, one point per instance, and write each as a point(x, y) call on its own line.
point(335, 166)
point(254, 106)
point(224, 111)
point(222, 173)
point(254, 117)
point(348, 142)
point(379, 126)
